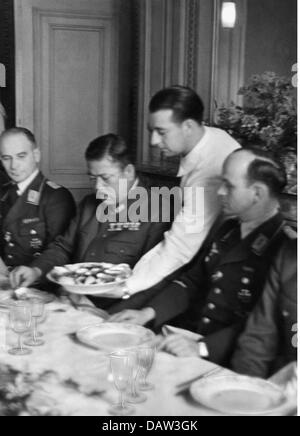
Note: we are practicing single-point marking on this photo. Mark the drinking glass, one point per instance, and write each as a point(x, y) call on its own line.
point(134, 396)
point(19, 321)
point(37, 312)
point(147, 354)
point(121, 370)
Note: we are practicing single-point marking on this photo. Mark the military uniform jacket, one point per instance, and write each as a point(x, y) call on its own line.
point(41, 213)
point(88, 240)
point(269, 341)
point(222, 285)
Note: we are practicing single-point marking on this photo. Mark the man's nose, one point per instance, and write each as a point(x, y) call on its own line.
point(13, 164)
point(99, 183)
point(155, 139)
point(222, 191)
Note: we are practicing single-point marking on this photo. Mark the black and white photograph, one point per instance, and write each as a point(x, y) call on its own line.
point(148, 210)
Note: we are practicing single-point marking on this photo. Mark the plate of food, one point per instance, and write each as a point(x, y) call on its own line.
point(238, 395)
point(91, 278)
point(110, 337)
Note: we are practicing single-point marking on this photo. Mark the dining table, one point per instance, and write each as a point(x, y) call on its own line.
point(64, 377)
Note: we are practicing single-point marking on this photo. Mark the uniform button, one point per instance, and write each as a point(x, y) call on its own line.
point(206, 320)
point(93, 254)
point(218, 291)
point(37, 254)
point(33, 232)
point(211, 306)
point(217, 276)
point(245, 281)
point(122, 251)
point(285, 313)
point(10, 256)
point(207, 259)
point(11, 245)
point(104, 236)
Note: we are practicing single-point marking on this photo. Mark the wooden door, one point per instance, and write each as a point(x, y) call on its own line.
point(72, 62)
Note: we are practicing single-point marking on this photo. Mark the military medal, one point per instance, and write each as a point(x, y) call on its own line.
point(245, 295)
point(36, 243)
point(134, 227)
point(7, 237)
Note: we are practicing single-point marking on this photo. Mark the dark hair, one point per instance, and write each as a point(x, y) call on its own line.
point(183, 101)
point(112, 146)
point(266, 168)
point(19, 131)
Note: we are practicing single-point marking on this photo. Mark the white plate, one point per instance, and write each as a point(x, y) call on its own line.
point(238, 395)
point(113, 336)
point(110, 290)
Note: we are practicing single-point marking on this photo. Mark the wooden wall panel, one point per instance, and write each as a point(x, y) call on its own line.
point(76, 68)
point(73, 79)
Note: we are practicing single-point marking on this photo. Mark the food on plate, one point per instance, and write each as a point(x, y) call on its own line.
point(88, 274)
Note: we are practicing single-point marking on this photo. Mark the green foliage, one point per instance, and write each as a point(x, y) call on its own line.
point(268, 116)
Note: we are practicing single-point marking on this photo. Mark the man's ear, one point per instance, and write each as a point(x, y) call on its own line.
point(37, 155)
point(261, 191)
point(188, 125)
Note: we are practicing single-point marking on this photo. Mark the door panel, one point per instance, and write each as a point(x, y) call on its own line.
point(68, 79)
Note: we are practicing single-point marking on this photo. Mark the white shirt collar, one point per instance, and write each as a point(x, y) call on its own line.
point(190, 161)
point(22, 186)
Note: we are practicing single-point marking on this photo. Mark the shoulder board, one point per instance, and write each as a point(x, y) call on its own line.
point(52, 185)
point(289, 232)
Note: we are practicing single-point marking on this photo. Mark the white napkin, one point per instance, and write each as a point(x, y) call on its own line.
point(170, 330)
point(3, 269)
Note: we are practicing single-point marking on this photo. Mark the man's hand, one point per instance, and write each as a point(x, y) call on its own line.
point(24, 276)
point(180, 346)
point(139, 317)
point(3, 268)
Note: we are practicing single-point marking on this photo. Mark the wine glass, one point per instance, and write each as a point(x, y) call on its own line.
point(147, 354)
point(133, 396)
point(37, 312)
point(121, 370)
point(20, 320)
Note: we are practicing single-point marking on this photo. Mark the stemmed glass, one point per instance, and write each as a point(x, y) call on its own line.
point(37, 312)
point(147, 354)
point(121, 369)
point(20, 320)
point(133, 396)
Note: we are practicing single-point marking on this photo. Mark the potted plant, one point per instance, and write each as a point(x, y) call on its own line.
point(268, 118)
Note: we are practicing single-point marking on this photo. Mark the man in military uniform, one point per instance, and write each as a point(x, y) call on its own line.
point(94, 235)
point(215, 295)
point(33, 210)
point(269, 341)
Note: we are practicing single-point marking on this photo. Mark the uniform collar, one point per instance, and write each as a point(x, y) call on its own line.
point(22, 186)
point(256, 242)
point(189, 162)
point(29, 198)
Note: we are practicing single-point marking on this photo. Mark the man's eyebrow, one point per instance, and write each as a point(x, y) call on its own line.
point(97, 175)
